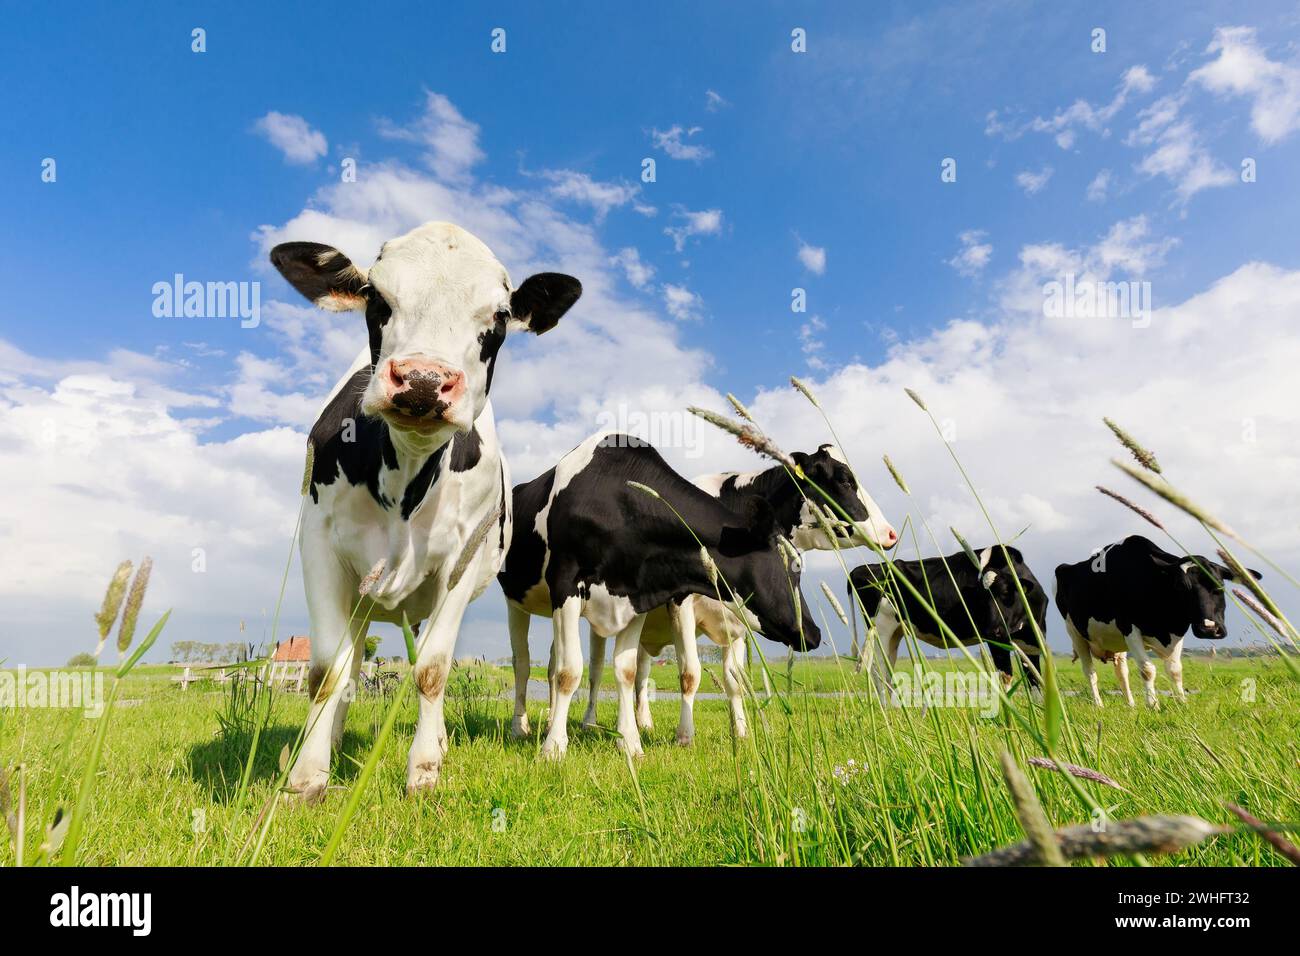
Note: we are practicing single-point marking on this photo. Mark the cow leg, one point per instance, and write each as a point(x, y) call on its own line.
point(329, 604)
point(688, 668)
point(1137, 648)
point(627, 645)
point(1174, 668)
point(1002, 661)
point(432, 668)
point(882, 644)
point(1084, 653)
point(595, 665)
point(733, 676)
point(518, 619)
point(643, 661)
point(349, 689)
point(566, 674)
point(1121, 674)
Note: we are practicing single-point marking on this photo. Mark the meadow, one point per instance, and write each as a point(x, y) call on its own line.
point(822, 780)
point(826, 776)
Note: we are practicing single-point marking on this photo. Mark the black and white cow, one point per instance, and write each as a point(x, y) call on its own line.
point(792, 502)
point(409, 492)
point(1133, 597)
point(977, 604)
point(591, 546)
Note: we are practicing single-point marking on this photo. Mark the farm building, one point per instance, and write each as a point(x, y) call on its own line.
point(296, 648)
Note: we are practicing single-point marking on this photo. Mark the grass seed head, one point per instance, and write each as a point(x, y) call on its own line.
point(1146, 835)
point(916, 398)
point(644, 489)
point(134, 599)
point(748, 435)
point(1261, 613)
point(1046, 851)
point(307, 468)
point(898, 479)
point(372, 577)
point(805, 391)
point(710, 567)
point(112, 603)
point(1141, 512)
point(1074, 770)
point(740, 408)
point(835, 604)
point(1144, 457)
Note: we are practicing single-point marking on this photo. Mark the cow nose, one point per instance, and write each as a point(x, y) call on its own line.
point(420, 388)
point(891, 537)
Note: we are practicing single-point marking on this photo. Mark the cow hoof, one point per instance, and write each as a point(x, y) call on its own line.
point(685, 740)
point(308, 792)
point(422, 777)
point(632, 750)
point(645, 722)
point(554, 749)
point(589, 721)
point(519, 728)
point(742, 731)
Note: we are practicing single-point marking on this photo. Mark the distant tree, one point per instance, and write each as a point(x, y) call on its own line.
point(372, 646)
point(84, 659)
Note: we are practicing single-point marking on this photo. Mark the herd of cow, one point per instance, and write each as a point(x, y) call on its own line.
point(411, 508)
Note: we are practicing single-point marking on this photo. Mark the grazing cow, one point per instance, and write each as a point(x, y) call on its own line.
point(792, 501)
point(976, 604)
point(589, 545)
point(409, 515)
point(1134, 596)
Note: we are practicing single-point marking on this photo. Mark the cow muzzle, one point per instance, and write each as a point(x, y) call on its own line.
point(420, 392)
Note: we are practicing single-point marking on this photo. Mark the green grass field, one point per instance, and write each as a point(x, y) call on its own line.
point(823, 780)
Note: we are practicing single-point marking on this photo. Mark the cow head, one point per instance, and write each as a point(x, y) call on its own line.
point(765, 572)
point(996, 607)
point(437, 305)
point(1200, 583)
point(828, 469)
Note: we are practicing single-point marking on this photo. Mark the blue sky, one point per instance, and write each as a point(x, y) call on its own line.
point(165, 165)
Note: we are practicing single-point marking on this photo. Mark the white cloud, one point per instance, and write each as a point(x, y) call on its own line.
point(673, 142)
point(714, 101)
point(638, 272)
point(974, 254)
point(1032, 182)
point(1178, 153)
point(451, 140)
point(682, 304)
point(580, 188)
point(811, 344)
point(293, 137)
point(1242, 68)
point(1099, 186)
point(1064, 124)
point(813, 258)
point(704, 222)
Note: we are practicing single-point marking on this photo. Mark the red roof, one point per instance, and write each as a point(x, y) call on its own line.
point(296, 648)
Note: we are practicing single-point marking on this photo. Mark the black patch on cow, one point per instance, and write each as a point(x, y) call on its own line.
point(501, 515)
point(1143, 586)
point(466, 450)
point(599, 530)
point(489, 342)
point(377, 315)
point(543, 299)
point(360, 459)
point(418, 486)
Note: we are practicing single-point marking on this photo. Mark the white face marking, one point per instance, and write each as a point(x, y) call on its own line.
point(712, 484)
point(985, 557)
point(444, 287)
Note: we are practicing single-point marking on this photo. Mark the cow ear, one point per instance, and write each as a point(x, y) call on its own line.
point(759, 525)
point(322, 274)
point(1228, 574)
point(538, 304)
